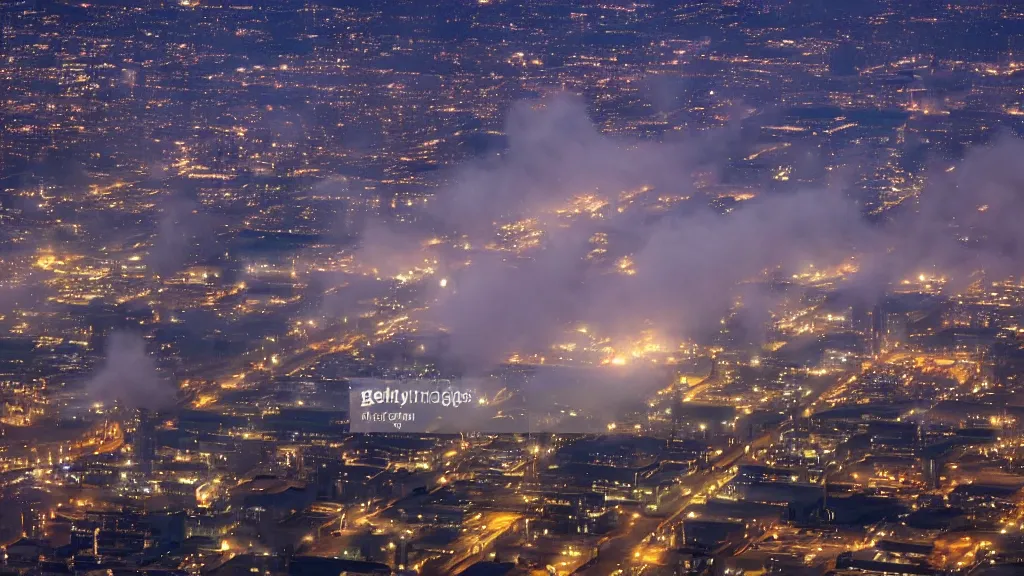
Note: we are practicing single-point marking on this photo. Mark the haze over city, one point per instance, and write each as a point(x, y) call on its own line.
point(496, 287)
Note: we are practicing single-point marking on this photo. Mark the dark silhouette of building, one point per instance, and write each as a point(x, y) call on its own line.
point(144, 439)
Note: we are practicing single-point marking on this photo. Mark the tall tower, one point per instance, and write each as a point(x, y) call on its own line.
point(877, 328)
point(144, 440)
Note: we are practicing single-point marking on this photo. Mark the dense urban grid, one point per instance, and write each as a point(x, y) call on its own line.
point(702, 287)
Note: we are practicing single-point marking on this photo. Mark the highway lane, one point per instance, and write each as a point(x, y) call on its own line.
point(287, 363)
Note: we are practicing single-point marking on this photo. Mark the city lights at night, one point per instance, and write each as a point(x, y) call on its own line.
point(511, 287)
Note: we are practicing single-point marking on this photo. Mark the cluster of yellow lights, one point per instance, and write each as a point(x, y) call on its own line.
point(599, 241)
point(643, 347)
point(51, 262)
point(924, 278)
point(587, 348)
point(204, 401)
point(518, 236)
point(625, 266)
point(629, 195)
point(416, 273)
point(828, 274)
point(738, 196)
point(97, 190)
point(584, 204)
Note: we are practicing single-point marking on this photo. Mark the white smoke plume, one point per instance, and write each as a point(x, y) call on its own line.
point(129, 376)
point(687, 263)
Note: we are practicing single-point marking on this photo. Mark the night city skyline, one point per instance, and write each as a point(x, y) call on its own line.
point(499, 287)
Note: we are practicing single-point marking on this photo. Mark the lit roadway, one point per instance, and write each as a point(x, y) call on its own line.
point(103, 441)
point(618, 550)
point(699, 388)
point(329, 338)
point(327, 341)
point(359, 520)
point(287, 363)
point(477, 541)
